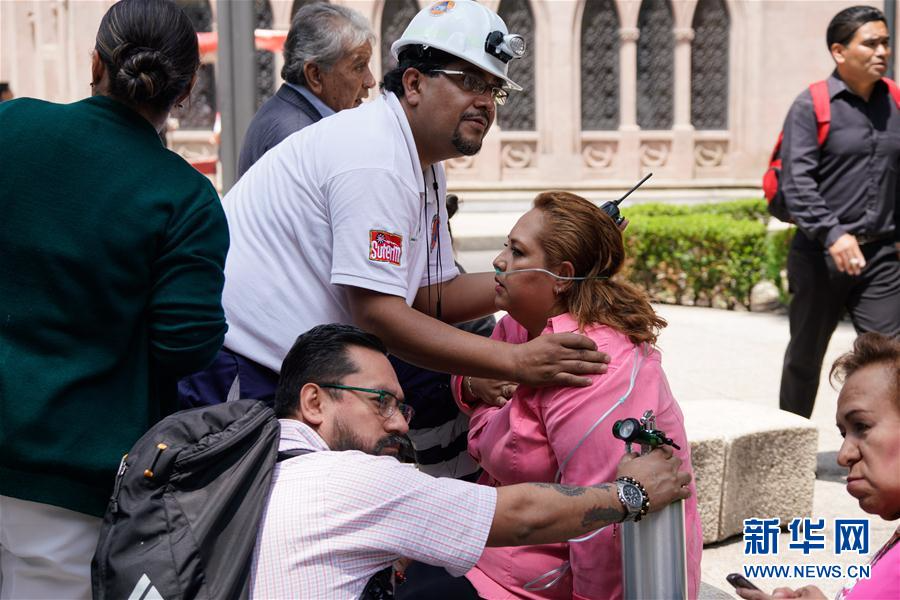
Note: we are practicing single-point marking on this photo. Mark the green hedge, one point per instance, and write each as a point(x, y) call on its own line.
point(777, 245)
point(706, 255)
point(751, 209)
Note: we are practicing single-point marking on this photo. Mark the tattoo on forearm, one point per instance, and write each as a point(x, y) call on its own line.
point(565, 490)
point(600, 514)
point(573, 490)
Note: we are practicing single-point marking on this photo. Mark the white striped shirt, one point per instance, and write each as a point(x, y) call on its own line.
point(334, 519)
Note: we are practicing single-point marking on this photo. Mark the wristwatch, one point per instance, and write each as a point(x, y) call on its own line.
point(633, 497)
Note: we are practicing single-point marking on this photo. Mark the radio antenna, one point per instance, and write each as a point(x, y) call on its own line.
point(636, 186)
point(612, 207)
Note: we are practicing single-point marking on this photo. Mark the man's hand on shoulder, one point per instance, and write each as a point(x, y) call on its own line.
point(558, 359)
point(847, 255)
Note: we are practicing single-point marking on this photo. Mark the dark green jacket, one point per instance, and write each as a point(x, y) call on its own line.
point(111, 257)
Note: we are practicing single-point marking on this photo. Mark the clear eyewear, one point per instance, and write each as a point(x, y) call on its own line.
point(388, 403)
point(477, 85)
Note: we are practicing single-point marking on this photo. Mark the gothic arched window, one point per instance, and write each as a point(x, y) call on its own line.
point(265, 60)
point(709, 66)
point(655, 65)
point(518, 114)
point(395, 17)
point(599, 66)
point(199, 112)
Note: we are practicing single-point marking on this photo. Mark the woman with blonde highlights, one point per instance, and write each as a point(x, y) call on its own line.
point(559, 272)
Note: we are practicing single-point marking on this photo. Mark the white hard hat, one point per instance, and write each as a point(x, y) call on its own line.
point(467, 30)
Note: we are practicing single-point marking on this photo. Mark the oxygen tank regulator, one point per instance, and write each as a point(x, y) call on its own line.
point(643, 432)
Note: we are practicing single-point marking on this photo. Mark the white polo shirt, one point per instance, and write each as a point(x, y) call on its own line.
point(343, 202)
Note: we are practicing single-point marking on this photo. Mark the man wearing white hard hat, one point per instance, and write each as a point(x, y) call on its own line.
point(345, 222)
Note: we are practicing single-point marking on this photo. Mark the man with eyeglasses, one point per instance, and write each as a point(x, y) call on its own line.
point(345, 222)
point(342, 511)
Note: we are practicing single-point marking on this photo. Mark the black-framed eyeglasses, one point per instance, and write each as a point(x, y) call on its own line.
point(388, 403)
point(474, 83)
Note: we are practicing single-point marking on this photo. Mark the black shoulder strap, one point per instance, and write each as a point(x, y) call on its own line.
point(286, 454)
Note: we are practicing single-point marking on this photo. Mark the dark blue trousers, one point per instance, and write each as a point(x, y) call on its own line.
point(230, 377)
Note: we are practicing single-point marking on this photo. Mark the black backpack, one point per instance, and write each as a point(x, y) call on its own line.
point(187, 505)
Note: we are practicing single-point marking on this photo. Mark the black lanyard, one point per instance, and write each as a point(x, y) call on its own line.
point(435, 231)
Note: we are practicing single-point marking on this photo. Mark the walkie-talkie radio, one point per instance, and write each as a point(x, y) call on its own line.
point(612, 207)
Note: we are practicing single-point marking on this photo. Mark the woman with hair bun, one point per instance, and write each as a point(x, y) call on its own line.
point(111, 278)
point(559, 272)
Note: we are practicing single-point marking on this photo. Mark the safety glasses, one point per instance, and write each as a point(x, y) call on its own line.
point(475, 84)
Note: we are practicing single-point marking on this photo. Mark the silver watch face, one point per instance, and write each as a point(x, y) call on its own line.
point(633, 496)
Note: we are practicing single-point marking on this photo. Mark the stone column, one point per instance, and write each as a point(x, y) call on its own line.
point(629, 146)
point(557, 71)
point(235, 81)
point(682, 130)
point(628, 77)
point(683, 38)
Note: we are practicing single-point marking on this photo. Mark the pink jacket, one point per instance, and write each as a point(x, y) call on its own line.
point(884, 583)
point(528, 438)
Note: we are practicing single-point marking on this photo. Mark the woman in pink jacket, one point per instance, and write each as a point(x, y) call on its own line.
point(868, 418)
point(558, 273)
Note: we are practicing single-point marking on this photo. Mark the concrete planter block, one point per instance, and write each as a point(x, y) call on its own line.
point(708, 458)
point(768, 469)
point(769, 474)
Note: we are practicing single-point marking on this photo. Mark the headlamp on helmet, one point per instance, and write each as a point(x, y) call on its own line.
point(505, 46)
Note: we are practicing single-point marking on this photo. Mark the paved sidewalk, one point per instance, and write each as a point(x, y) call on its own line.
point(710, 354)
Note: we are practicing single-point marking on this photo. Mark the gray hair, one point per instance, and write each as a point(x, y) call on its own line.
point(321, 33)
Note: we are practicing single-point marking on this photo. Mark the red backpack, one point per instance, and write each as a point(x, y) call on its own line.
point(822, 107)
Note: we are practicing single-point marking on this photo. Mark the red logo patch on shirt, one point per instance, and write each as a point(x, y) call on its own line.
point(385, 246)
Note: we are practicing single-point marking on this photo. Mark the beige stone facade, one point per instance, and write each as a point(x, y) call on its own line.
point(772, 48)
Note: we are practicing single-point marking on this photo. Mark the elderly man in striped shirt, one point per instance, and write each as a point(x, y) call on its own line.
point(343, 510)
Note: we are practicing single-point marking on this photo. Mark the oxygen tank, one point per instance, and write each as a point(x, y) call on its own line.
point(654, 552)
